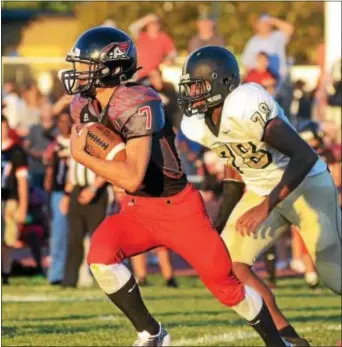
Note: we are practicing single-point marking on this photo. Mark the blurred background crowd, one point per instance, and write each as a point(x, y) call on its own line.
point(291, 49)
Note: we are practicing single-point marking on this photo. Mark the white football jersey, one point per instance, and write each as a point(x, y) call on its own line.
point(238, 138)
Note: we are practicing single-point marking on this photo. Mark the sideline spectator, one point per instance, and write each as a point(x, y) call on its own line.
point(15, 106)
point(13, 135)
point(57, 90)
point(334, 97)
point(315, 134)
point(85, 200)
point(61, 103)
point(207, 34)
point(272, 42)
point(33, 99)
point(212, 185)
point(311, 132)
point(302, 104)
point(40, 136)
point(55, 180)
point(301, 260)
point(262, 74)
point(139, 264)
point(154, 46)
point(168, 96)
point(14, 195)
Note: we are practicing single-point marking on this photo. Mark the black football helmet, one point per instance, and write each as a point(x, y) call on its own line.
point(110, 55)
point(209, 75)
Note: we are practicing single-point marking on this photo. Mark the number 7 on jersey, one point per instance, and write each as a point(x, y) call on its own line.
point(146, 111)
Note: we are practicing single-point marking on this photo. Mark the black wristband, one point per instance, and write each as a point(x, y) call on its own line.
point(67, 193)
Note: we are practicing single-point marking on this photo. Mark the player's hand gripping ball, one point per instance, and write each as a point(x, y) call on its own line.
point(103, 143)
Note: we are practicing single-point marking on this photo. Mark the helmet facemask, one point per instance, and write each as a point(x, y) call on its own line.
point(196, 95)
point(84, 80)
point(95, 73)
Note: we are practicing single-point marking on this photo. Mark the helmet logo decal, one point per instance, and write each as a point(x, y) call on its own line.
point(75, 52)
point(185, 77)
point(116, 51)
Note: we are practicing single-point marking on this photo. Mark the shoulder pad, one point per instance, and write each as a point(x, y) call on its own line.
point(81, 110)
point(128, 99)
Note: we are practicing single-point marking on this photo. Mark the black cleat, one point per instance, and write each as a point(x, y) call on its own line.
point(143, 282)
point(172, 283)
point(5, 280)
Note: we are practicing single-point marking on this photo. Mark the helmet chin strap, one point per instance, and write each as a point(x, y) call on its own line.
point(117, 80)
point(90, 92)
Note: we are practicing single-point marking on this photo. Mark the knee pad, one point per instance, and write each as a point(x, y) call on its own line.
point(110, 278)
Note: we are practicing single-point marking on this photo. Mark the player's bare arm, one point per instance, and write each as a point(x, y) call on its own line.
point(127, 174)
point(282, 137)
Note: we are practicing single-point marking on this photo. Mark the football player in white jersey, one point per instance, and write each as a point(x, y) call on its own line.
point(286, 181)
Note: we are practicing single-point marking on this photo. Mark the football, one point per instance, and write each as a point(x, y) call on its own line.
point(103, 143)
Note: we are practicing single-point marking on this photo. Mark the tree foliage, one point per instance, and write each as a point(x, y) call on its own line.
point(235, 19)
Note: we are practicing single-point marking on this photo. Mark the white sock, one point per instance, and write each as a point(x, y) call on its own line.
point(250, 306)
point(111, 278)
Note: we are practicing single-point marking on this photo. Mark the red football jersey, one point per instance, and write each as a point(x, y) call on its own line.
point(135, 111)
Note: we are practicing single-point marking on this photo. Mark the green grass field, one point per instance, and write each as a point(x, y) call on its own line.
point(35, 314)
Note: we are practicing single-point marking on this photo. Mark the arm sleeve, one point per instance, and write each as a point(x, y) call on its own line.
point(148, 119)
point(232, 193)
point(20, 162)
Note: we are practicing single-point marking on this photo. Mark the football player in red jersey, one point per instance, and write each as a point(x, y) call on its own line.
point(161, 208)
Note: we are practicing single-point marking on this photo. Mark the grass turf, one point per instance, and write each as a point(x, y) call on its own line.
point(35, 314)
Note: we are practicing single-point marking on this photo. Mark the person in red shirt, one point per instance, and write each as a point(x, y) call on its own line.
point(155, 47)
point(262, 74)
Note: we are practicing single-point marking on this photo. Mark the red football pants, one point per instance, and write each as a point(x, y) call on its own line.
point(179, 223)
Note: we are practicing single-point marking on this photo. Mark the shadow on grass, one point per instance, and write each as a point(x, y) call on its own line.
point(178, 297)
point(311, 308)
point(335, 318)
point(310, 295)
point(8, 331)
point(26, 330)
point(208, 323)
point(55, 319)
point(190, 313)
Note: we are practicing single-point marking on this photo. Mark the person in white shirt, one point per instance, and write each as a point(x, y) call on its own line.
point(272, 42)
point(286, 181)
point(16, 108)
